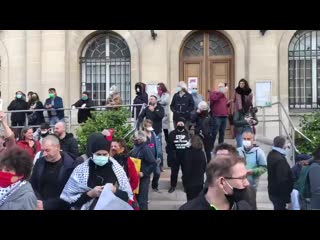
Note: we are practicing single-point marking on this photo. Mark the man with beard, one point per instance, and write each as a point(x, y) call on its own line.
point(227, 183)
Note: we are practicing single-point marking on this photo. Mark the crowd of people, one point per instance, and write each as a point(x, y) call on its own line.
point(44, 169)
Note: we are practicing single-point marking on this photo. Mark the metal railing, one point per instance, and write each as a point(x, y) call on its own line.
point(69, 115)
point(290, 130)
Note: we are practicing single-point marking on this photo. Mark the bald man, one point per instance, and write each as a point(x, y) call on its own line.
point(50, 174)
point(68, 143)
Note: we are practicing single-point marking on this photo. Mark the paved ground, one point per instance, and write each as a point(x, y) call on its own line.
point(172, 201)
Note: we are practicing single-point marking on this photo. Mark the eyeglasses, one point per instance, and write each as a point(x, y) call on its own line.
point(243, 178)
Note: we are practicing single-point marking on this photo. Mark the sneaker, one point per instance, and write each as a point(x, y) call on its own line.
point(171, 190)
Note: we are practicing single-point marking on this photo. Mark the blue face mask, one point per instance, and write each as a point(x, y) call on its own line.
point(19, 96)
point(179, 89)
point(194, 91)
point(100, 160)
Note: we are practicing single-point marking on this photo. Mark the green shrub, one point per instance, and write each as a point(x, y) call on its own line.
point(116, 119)
point(310, 127)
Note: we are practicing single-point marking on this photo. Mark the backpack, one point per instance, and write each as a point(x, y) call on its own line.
point(303, 182)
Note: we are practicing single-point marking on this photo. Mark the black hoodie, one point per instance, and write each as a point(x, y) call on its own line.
point(70, 145)
point(141, 98)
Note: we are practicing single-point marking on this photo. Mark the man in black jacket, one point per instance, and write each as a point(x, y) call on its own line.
point(50, 174)
point(68, 143)
point(227, 183)
point(280, 178)
point(19, 103)
point(182, 104)
point(153, 112)
point(177, 149)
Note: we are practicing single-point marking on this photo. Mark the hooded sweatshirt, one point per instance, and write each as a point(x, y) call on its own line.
point(256, 161)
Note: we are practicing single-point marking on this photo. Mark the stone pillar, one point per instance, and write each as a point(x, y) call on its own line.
point(33, 62)
point(14, 40)
point(53, 63)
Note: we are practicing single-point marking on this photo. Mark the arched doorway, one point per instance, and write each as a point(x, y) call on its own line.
point(209, 57)
point(106, 61)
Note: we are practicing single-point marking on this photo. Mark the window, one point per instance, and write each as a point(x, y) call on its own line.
point(106, 62)
point(304, 70)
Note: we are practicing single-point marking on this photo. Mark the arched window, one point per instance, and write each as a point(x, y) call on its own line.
point(304, 70)
point(105, 62)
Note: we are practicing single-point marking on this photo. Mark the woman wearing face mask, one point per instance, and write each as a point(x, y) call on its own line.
point(84, 105)
point(163, 97)
point(36, 117)
point(153, 142)
point(16, 192)
point(141, 98)
point(227, 184)
point(87, 181)
point(18, 118)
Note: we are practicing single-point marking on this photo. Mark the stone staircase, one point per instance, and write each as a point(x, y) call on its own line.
point(163, 200)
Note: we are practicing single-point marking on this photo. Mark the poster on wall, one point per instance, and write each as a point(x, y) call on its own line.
point(263, 93)
point(191, 82)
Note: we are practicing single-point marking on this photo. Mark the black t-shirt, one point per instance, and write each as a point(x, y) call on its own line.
point(48, 180)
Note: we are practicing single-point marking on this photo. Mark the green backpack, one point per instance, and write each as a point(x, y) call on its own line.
point(303, 182)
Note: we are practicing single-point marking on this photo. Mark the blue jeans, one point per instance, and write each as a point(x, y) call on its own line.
point(54, 119)
point(220, 124)
point(239, 135)
point(143, 195)
point(156, 171)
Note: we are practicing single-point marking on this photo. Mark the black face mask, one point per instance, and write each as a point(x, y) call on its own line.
point(236, 196)
point(180, 128)
point(44, 135)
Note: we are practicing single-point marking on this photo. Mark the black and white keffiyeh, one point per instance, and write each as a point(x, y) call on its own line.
point(77, 183)
point(6, 192)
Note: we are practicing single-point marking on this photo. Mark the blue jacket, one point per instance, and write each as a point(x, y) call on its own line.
point(57, 103)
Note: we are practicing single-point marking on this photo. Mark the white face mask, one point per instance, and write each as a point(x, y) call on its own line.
point(246, 143)
point(150, 129)
point(111, 92)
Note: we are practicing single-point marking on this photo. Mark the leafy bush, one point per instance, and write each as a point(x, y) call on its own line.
point(116, 119)
point(310, 127)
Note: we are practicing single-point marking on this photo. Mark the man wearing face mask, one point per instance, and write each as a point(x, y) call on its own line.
point(227, 184)
point(197, 98)
point(280, 178)
point(219, 111)
point(255, 158)
point(18, 118)
point(182, 105)
point(50, 174)
point(86, 183)
point(84, 105)
point(52, 103)
point(177, 149)
point(141, 98)
point(42, 132)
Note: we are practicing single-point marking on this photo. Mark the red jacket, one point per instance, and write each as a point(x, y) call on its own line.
point(31, 150)
point(218, 104)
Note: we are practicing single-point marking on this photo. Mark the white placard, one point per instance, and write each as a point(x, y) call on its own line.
point(190, 81)
point(263, 93)
point(152, 89)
